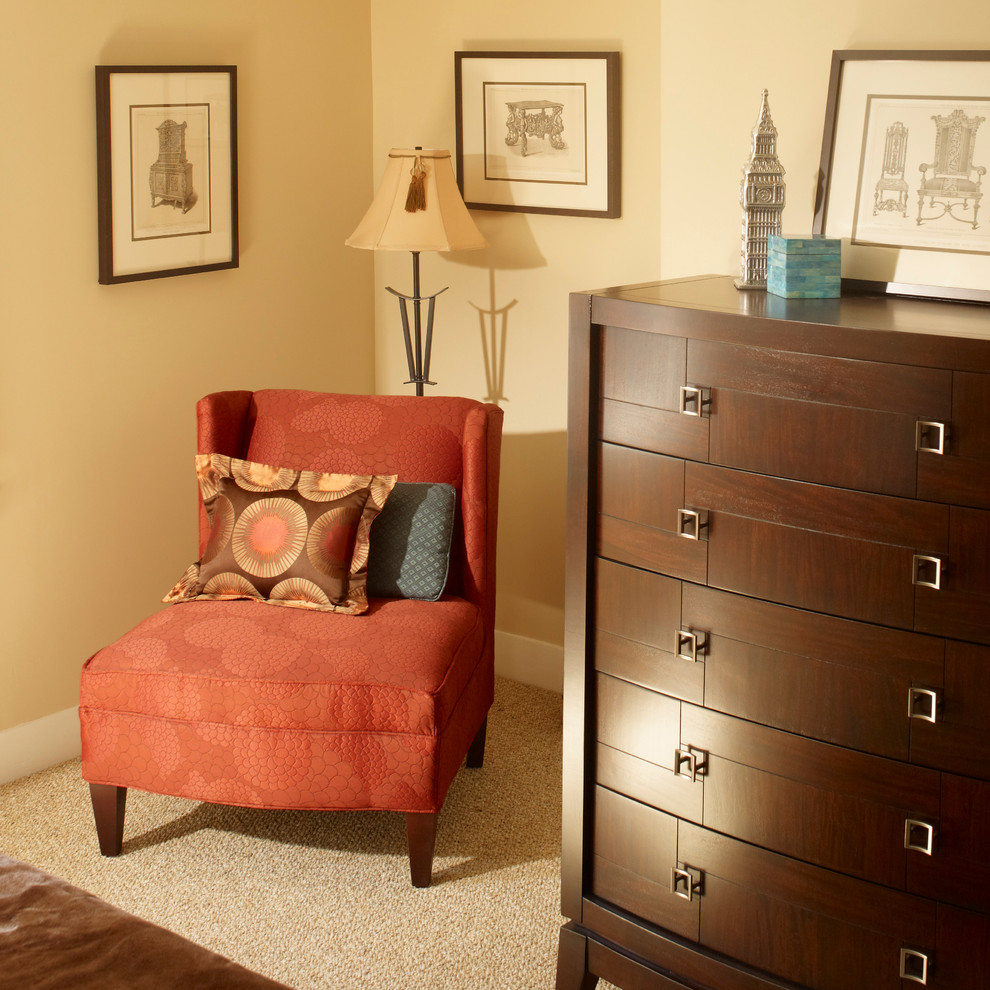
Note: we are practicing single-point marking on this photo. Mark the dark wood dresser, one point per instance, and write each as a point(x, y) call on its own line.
point(777, 677)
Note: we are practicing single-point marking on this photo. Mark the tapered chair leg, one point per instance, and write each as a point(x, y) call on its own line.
point(476, 752)
point(108, 810)
point(421, 831)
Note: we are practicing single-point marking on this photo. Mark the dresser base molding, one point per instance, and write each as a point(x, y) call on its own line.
point(587, 955)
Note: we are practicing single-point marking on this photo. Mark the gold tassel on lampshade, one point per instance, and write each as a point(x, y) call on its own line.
point(417, 208)
point(442, 223)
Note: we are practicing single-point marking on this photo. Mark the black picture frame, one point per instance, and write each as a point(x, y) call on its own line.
point(166, 168)
point(566, 104)
point(886, 119)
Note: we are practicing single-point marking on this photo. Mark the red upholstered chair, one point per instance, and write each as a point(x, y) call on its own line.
point(246, 703)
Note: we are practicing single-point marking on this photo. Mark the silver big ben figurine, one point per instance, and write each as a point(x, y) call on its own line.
point(761, 194)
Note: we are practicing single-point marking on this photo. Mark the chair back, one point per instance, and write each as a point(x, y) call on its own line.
point(418, 438)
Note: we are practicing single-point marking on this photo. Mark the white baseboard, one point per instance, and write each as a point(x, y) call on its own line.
point(531, 661)
point(37, 745)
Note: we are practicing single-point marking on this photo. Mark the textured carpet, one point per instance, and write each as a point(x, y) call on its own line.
point(323, 900)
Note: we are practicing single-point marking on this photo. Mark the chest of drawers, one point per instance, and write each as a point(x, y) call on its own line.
point(777, 675)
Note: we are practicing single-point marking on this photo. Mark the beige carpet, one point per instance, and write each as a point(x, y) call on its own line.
point(323, 900)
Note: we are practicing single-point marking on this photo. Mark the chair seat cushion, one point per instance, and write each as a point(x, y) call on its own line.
point(241, 703)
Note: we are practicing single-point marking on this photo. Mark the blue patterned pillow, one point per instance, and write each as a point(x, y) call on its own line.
point(410, 542)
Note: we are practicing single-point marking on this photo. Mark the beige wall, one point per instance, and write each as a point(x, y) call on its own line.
point(692, 75)
point(98, 383)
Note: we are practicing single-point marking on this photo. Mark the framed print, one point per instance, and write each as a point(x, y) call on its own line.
point(905, 153)
point(538, 132)
point(166, 170)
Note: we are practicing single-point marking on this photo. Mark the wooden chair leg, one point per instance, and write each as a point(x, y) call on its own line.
point(476, 752)
point(108, 810)
point(421, 831)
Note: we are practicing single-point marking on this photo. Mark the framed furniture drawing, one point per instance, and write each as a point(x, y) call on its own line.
point(905, 154)
point(539, 132)
point(166, 167)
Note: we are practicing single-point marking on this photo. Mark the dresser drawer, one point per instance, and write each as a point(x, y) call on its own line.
point(805, 924)
point(962, 475)
point(635, 848)
point(642, 376)
point(886, 428)
point(782, 792)
point(955, 737)
point(641, 497)
point(828, 420)
point(884, 691)
point(639, 632)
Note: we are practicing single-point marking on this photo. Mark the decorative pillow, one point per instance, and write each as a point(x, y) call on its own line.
point(287, 537)
point(410, 542)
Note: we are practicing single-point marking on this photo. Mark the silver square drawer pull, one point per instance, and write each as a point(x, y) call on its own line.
point(695, 400)
point(686, 882)
point(927, 571)
point(930, 436)
point(691, 523)
point(691, 763)
point(689, 645)
point(923, 704)
point(914, 966)
point(919, 836)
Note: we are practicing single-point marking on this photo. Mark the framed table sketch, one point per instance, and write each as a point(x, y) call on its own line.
point(538, 132)
point(904, 158)
point(166, 166)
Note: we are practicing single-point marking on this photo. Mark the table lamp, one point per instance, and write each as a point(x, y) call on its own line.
point(417, 208)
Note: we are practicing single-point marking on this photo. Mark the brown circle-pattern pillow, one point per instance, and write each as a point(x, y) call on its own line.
point(286, 537)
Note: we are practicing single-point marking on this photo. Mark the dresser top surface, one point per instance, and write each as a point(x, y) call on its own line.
point(880, 328)
point(718, 293)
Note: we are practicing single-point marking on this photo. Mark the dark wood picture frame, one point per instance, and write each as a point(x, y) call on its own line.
point(905, 229)
point(166, 167)
point(566, 105)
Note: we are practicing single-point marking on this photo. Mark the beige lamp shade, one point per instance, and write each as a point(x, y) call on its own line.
point(430, 216)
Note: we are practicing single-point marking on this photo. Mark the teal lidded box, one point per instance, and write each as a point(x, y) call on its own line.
point(804, 267)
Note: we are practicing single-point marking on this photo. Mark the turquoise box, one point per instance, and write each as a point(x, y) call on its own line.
point(804, 267)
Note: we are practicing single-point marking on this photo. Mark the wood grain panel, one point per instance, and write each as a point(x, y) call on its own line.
point(962, 475)
point(808, 761)
point(808, 800)
point(903, 389)
point(961, 608)
point(856, 515)
point(959, 870)
point(962, 950)
point(635, 848)
point(818, 571)
point(637, 614)
point(637, 604)
point(638, 721)
point(649, 667)
point(649, 783)
point(830, 445)
point(655, 549)
point(958, 740)
point(655, 429)
point(820, 676)
point(642, 368)
point(641, 487)
point(812, 949)
point(859, 903)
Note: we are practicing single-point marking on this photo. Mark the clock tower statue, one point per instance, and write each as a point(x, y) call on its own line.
point(761, 195)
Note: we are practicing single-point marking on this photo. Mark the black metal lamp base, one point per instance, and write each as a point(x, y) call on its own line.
point(417, 359)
